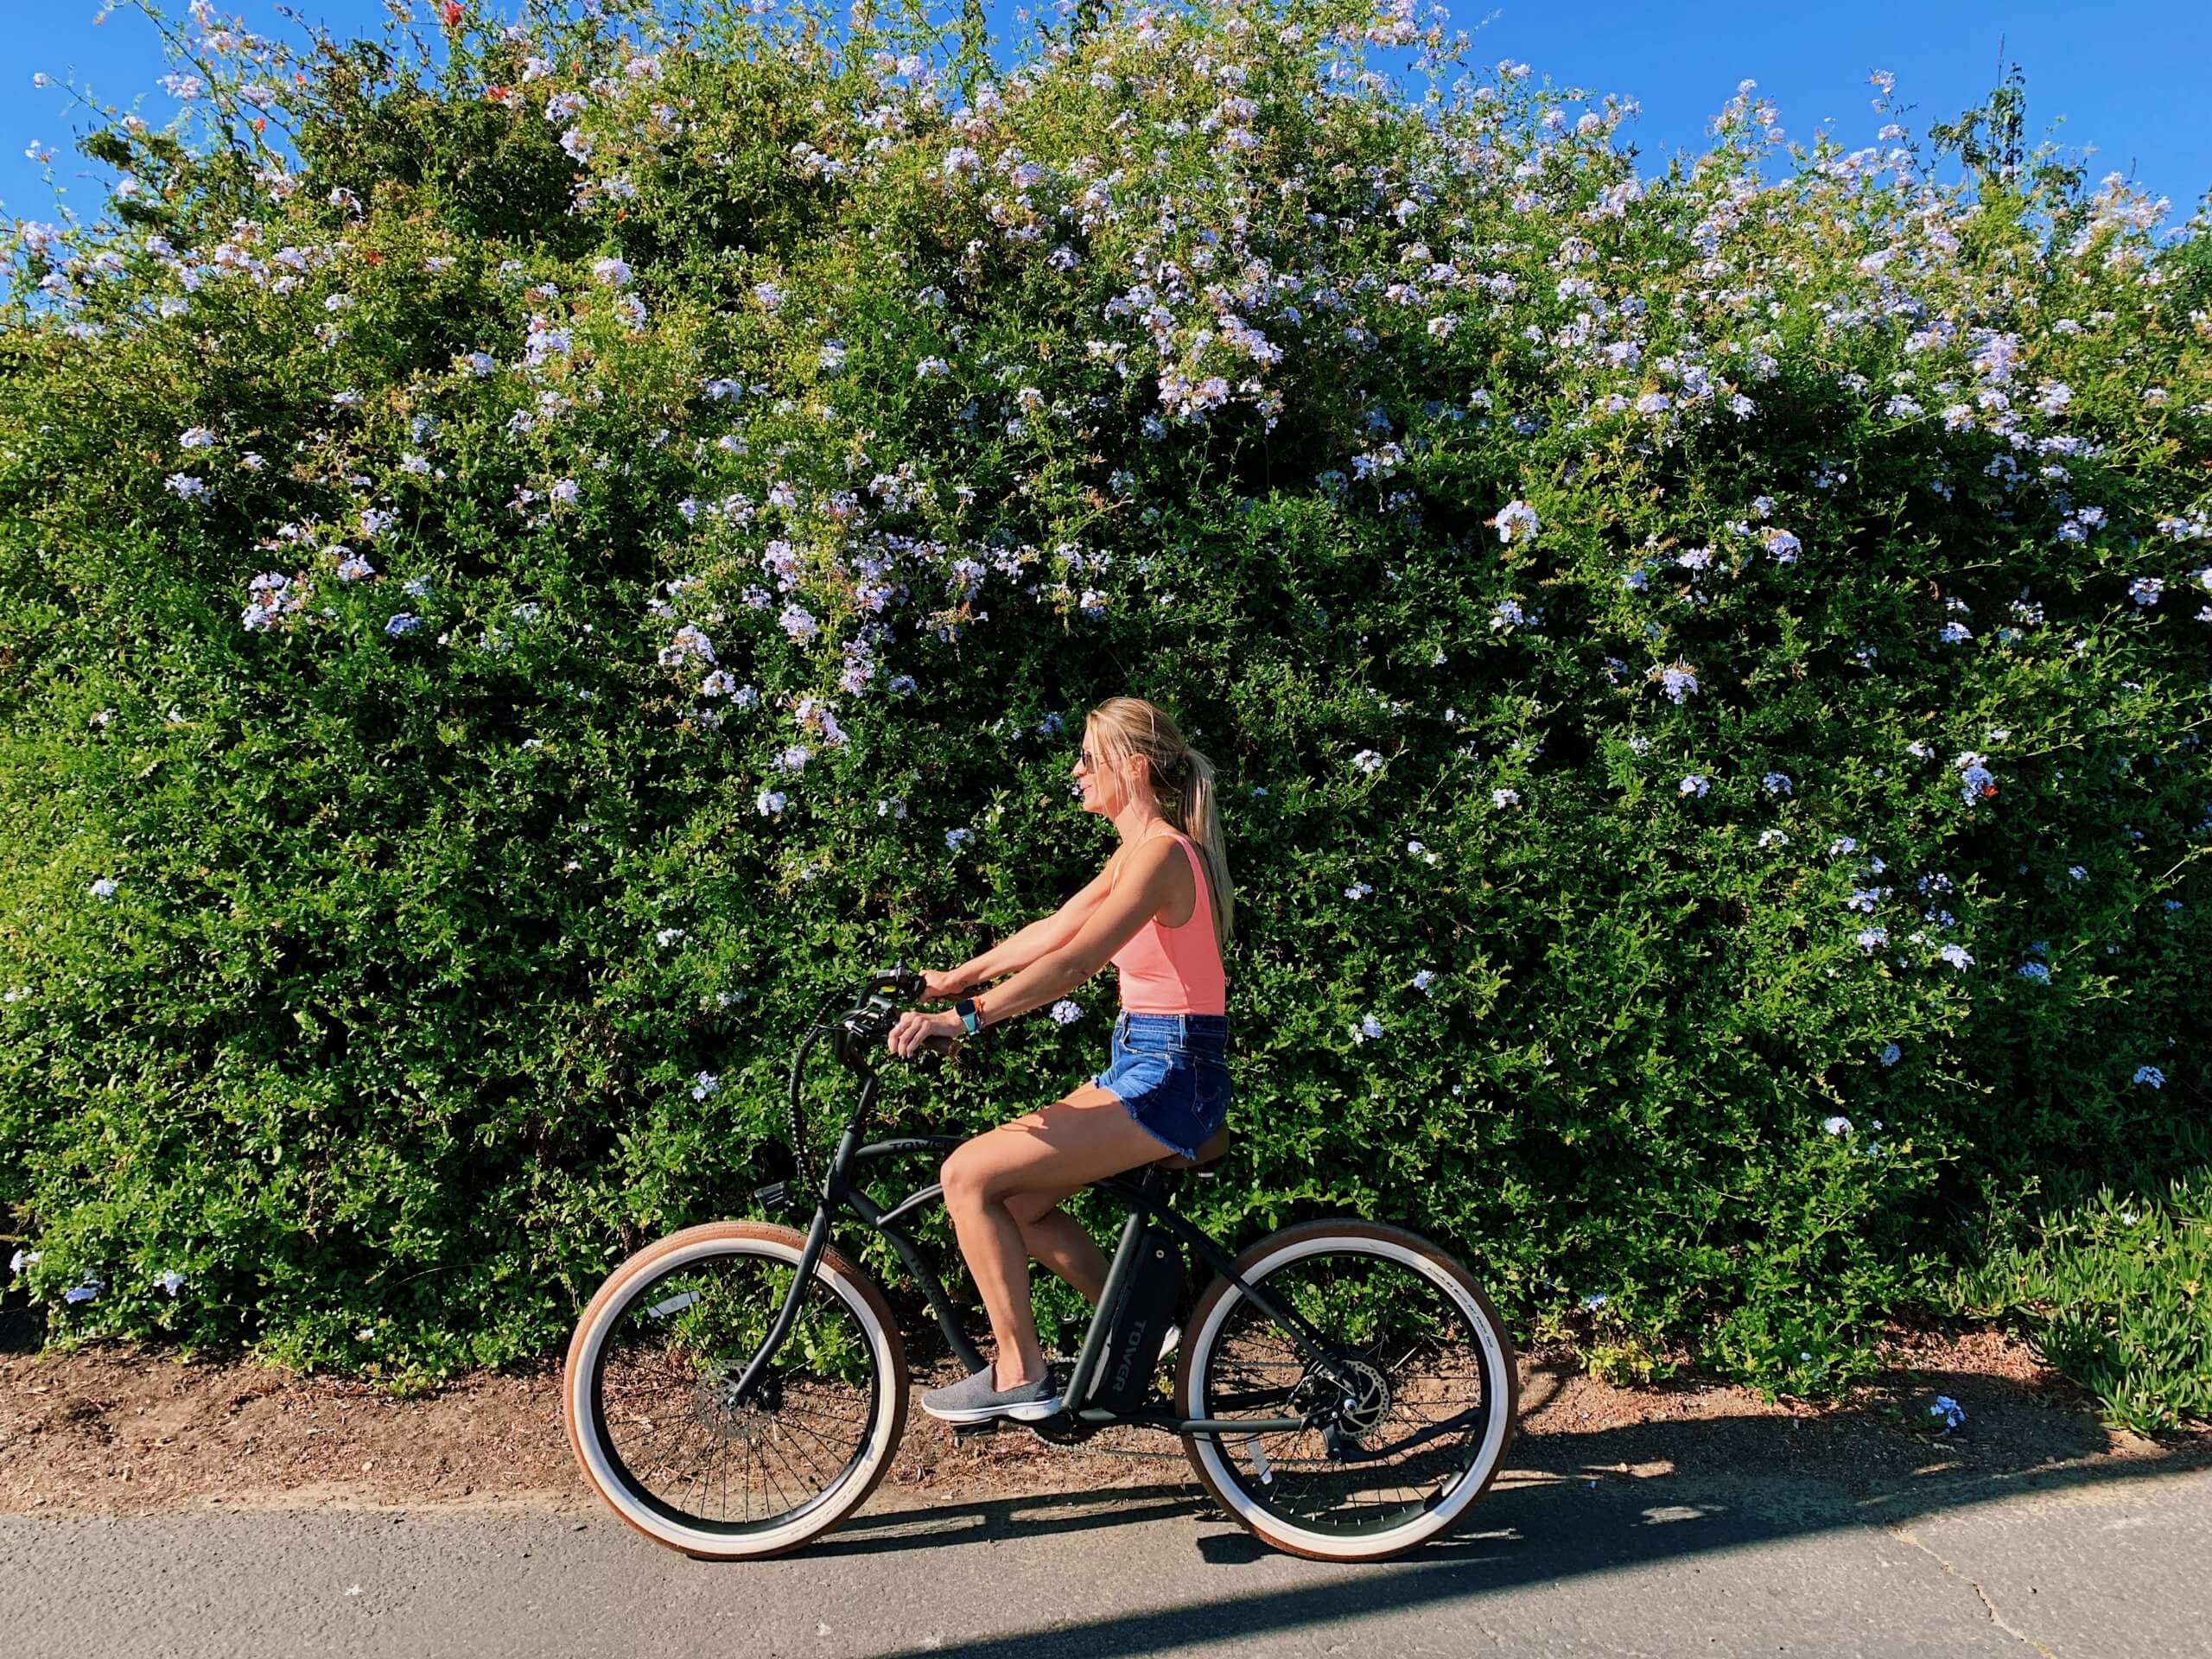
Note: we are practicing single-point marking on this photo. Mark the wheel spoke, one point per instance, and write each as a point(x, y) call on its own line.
point(670, 1354)
point(1406, 1345)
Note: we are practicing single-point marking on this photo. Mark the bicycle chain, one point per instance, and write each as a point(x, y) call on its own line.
point(1106, 1450)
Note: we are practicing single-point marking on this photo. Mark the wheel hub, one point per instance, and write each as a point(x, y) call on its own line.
point(715, 1407)
point(1356, 1410)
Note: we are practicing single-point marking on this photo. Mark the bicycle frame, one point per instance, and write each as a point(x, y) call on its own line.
point(1146, 1200)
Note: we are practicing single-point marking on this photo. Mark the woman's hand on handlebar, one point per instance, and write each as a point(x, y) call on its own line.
point(939, 988)
point(942, 1032)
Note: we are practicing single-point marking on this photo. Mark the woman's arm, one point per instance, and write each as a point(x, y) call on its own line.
point(1039, 938)
point(1146, 888)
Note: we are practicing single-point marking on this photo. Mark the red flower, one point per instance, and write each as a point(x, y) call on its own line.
point(453, 14)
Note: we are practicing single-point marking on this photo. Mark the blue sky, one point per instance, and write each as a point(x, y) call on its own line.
point(2127, 75)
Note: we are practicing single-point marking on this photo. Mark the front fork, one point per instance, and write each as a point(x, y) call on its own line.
point(809, 1256)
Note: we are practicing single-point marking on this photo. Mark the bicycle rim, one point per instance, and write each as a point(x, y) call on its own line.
point(650, 1393)
point(1434, 1387)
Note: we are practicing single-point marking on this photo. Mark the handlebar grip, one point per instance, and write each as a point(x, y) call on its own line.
point(945, 1045)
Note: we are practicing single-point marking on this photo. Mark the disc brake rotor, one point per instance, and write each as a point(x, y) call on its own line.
point(716, 1408)
point(1356, 1412)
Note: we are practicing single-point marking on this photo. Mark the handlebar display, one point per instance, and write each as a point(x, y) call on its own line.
point(861, 1032)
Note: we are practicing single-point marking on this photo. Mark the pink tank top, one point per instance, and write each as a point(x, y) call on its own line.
point(1175, 969)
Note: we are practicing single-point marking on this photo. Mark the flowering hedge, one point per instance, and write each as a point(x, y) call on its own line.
point(501, 613)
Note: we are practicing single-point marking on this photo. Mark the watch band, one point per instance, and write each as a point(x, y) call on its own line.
point(969, 1022)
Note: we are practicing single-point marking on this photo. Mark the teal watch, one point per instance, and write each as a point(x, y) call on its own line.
point(965, 1007)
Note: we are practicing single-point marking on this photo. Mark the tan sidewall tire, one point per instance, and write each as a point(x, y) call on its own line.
point(884, 1432)
point(1198, 1334)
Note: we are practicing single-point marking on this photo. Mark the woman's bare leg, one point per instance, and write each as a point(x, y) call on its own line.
point(1074, 1141)
point(1057, 1240)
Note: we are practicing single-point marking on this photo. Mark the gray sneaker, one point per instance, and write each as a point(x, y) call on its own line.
point(976, 1400)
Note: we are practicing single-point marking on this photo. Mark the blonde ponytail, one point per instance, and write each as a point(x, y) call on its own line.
point(1183, 788)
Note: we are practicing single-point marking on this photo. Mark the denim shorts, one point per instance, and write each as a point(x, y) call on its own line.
point(1171, 1072)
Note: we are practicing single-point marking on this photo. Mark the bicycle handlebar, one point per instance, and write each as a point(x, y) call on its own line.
point(859, 1033)
point(870, 1020)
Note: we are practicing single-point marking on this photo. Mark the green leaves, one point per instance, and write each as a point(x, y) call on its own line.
point(423, 931)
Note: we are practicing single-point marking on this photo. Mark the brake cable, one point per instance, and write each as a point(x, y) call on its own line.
point(802, 1176)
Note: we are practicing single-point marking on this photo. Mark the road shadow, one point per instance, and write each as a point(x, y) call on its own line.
point(1543, 1529)
point(1574, 1502)
point(993, 1520)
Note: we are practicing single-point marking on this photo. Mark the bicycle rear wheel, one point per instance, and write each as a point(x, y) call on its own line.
point(649, 1392)
point(1435, 1388)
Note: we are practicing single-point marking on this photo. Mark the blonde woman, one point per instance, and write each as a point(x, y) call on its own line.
point(1161, 912)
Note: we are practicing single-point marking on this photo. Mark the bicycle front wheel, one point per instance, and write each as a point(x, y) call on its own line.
point(650, 1392)
point(1400, 1455)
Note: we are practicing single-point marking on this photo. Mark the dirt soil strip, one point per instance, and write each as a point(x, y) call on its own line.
point(113, 1430)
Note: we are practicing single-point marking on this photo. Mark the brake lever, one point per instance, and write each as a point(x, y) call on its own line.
point(907, 986)
point(868, 1023)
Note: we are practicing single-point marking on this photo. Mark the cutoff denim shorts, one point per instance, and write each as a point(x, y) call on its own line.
point(1171, 1072)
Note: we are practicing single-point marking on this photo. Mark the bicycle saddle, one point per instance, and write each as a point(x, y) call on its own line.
point(1208, 1151)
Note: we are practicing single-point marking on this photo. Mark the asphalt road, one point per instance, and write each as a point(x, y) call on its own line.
point(2099, 1563)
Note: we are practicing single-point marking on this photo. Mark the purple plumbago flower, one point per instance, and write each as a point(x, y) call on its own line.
point(1517, 521)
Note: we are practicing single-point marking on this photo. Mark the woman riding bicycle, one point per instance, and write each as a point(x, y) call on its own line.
point(1342, 1388)
point(1160, 910)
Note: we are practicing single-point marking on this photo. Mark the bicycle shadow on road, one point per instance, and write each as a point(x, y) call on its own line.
point(986, 1521)
point(1574, 1502)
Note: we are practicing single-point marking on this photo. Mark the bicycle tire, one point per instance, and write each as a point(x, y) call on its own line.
point(583, 1412)
point(1499, 1368)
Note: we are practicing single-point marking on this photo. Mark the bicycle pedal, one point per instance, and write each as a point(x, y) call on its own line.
point(969, 1431)
point(1060, 1430)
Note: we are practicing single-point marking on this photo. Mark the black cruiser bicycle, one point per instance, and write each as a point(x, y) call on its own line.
point(1343, 1388)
